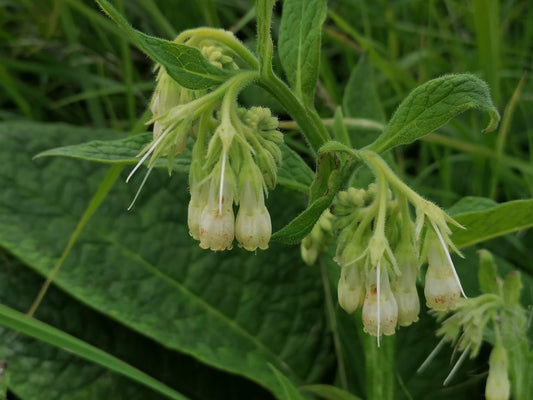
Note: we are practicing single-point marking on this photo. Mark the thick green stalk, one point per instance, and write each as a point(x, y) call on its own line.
point(309, 122)
point(265, 47)
point(379, 364)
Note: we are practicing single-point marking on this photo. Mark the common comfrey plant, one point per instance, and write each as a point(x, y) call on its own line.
point(236, 154)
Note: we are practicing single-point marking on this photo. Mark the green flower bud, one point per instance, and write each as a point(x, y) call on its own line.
point(512, 285)
point(351, 288)
point(498, 385)
point(196, 205)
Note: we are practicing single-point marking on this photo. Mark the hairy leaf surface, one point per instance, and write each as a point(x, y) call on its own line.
point(299, 44)
point(235, 310)
point(433, 104)
point(185, 64)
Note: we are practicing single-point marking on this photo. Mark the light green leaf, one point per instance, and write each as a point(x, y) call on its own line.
point(432, 105)
point(119, 151)
point(329, 392)
point(492, 221)
point(142, 269)
point(293, 173)
point(299, 44)
point(185, 64)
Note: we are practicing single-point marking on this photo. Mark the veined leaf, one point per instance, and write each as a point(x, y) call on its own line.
point(487, 220)
point(142, 269)
point(433, 104)
point(332, 173)
point(299, 44)
point(329, 392)
point(185, 64)
point(361, 100)
point(294, 173)
point(39, 330)
point(289, 391)
point(56, 374)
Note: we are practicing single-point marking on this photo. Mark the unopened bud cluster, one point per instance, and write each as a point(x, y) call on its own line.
point(235, 156)
point(380, 248)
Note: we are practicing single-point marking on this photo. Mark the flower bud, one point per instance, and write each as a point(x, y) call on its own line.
point(351, 288)
point(498, 386)
point(442, 289)
point(406, 296)
point(379, 316)
point(253, 227)
point(217, 223)
point(196, 205)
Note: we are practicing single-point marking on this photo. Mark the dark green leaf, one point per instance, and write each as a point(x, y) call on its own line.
point(329, 392)
point(75, 378)
point(299, 44)
point(294, 173)
point(289, 391)
point(142, 269)
point(185, 64)
point(491, 222)
point(432, 105)
point(361, 100)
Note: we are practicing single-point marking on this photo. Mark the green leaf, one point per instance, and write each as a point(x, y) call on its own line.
point(332, 174)
point(119, 151)
point(142, 269)
point(75, 378)
point(432, 105)
point(361, 100)
point(329, 392)
point(289, 391)
point(470, 204)
point(39, 330)
point(185, 64)
point(293, 173)
point(489, 221)
point(299, 45)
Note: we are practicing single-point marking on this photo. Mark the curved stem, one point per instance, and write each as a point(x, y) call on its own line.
point(309, 122)
point(224, 38)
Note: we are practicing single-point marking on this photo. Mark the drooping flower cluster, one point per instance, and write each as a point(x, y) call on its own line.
point(495, 316)
point(239, 173)
point(236, 152)
point(380, 248)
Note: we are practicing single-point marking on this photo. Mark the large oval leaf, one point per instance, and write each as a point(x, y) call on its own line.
point(235, 311)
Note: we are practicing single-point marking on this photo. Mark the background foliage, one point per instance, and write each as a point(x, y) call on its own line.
point(205, 324)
